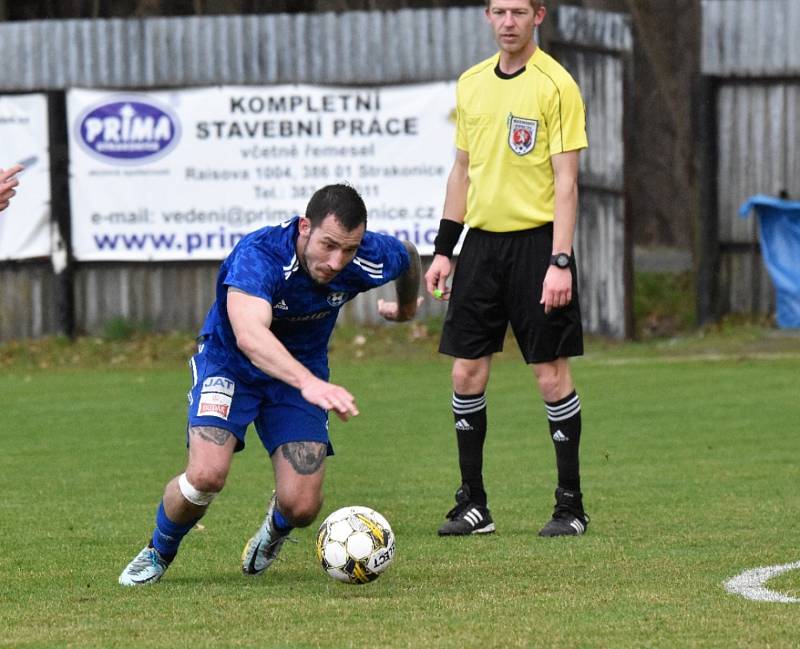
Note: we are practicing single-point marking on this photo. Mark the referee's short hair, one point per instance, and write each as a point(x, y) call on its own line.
point(341, 200)
point(535, 4)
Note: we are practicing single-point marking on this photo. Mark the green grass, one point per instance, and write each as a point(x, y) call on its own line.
point(690, 468)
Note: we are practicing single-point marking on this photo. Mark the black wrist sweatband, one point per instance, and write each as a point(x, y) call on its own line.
point(447, 237)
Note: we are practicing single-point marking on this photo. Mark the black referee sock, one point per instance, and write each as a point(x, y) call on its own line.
point(469, 413)
point(564, 417)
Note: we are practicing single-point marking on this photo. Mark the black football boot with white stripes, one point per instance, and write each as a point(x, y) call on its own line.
point(569, 519)
point(467, 517)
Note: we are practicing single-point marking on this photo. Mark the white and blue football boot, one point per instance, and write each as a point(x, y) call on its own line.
point(147, 567)
point(263, 548)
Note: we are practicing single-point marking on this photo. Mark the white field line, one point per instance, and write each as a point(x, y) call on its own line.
point(750, 584)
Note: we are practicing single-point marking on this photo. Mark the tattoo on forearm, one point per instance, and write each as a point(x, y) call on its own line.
point(305, 457)
point(217, 436)
point(408, 283)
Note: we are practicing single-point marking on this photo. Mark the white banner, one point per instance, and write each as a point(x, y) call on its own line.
point(185, 174)
point(25, 224)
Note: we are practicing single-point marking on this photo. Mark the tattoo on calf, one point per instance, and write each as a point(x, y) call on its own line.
point(217, 436)
point(305, 457)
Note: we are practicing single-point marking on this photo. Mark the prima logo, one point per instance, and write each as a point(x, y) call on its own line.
point(128, 130)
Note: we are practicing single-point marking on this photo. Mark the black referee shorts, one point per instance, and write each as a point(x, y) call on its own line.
point(498, 280)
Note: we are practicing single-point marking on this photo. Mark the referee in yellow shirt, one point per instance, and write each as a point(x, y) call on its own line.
point(520, 127)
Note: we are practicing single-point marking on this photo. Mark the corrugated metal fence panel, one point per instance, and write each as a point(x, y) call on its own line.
point(744, 45)
point(746, 286)
point(750, 38)
point(598, 64)
point(404, 46)
point(27, 300)
point(595, 29)
point(601, 82)
point(177, 297)
point(600, 253)
point(161, 296)
point(759, 151)
point(327, 48)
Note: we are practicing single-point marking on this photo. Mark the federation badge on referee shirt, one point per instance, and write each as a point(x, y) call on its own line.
point(522, 134)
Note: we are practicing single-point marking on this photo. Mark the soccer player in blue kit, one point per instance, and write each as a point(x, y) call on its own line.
point(263, 358)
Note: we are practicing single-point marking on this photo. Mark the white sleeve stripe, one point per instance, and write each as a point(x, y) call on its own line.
point(375, 274)
point(194, 371)
point(366, 264)
point(293, 265)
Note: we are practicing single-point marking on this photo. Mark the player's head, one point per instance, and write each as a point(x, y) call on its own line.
point(535, 4)
point(331, 231)
point(343, 201)
point(513, 23)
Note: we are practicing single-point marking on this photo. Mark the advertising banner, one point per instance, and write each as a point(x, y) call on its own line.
point(25, 224)
point(183, 175)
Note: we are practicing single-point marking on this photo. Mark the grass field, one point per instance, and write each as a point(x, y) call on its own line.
point(690, 465)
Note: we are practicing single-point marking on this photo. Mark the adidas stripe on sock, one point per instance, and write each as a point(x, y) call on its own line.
point(469, 414)
point(564, 419)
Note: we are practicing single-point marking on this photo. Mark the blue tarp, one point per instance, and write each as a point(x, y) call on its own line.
point(779, 228)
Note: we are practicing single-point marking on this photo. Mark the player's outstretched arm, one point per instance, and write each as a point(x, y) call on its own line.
point(251, 318)
point(7, 183)
point(407, 286)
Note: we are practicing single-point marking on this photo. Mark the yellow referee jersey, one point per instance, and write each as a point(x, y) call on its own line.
point(510, 127)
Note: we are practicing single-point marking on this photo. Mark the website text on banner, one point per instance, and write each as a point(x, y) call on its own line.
point(25, 224)
point(185, 174)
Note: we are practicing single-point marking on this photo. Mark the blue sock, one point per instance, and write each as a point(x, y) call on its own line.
point(281, 524)
point(167, 535)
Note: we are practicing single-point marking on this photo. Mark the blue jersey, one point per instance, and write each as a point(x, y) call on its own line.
point(265, 264)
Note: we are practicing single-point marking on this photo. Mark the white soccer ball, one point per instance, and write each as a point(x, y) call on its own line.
point(355, 545)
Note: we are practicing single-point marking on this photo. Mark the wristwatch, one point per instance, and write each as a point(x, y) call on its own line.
point(561, 260)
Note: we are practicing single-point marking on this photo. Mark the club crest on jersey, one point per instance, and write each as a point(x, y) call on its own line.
point(522, 134)
point(337, 298)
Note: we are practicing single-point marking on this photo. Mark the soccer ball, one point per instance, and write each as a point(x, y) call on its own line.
point(355, 545)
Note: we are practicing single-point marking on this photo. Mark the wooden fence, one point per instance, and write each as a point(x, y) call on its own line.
point(749, 139)
point(405, 46)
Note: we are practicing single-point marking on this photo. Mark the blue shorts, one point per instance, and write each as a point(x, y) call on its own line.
point(280, 413)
